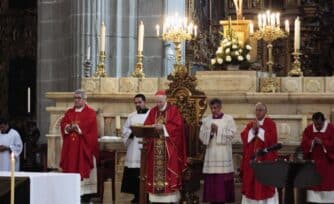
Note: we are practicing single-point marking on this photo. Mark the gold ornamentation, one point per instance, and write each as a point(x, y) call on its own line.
point(269, 34)
point(159, 162)
point(296, 70)
point(100, 69)
point(139, 73)
point(191, 103)
point(270, 85)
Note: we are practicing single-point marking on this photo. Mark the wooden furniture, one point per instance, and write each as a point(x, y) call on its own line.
point(192, 104)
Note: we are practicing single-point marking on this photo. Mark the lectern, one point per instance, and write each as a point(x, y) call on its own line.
point(143, 131)
point(286, 174)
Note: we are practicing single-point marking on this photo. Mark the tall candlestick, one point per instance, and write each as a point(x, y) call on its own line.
point(140, 36)
point(118, 122)
point(297, 35)
point(12, 178)
point(29, 100)
point(157, 27)
point(103, 38)
point(287, 26)
point(88, 53)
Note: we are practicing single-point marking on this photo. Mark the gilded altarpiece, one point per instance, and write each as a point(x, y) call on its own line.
point(316, 33)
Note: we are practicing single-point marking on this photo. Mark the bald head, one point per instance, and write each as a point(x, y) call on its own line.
point(260, 110)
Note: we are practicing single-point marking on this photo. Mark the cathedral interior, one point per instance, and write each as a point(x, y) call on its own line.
point(49, 48)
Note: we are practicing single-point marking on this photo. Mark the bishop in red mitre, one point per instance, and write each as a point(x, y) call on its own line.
point(258, 134)
point(166, 154)
point(318, 145)
point(80, 146)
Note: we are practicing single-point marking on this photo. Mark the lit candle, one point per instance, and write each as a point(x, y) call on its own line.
point(118, 122)
point(157, 27)
point(12, 178)
point(278, 22)
point(264, 20)
point(195, 30)
point(251, 28)
point(259, 20)
point(140, 36)
point(103, 38)
point(287, 26)
point(268, 17)
point(29, 100)
point(272, 20)
point(297, 34)
point(88, 53)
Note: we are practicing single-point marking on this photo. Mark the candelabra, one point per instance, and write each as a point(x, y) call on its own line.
point(177, 30)
point(269, 31)
point(100, 69)
point(296, 70)
point(269, 34)
point(139, 66)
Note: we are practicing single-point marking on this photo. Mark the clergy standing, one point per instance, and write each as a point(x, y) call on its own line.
point(130, 183)
point(166, 154)
point(217, 132)
point(80, 146)
point(10, 141)
point(258, 134)
point(318, 145)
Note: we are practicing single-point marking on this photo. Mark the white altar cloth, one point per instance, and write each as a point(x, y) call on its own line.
point(51, 188)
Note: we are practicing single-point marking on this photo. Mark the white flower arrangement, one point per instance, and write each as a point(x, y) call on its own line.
point(231, 51)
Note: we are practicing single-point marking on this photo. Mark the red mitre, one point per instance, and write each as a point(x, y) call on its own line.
point(160, 93)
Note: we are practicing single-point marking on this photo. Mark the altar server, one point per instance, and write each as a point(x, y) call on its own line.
point(10, 142)
point(217, 132)
point(130, 183)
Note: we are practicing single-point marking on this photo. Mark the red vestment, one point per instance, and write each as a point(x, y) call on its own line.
point(78, 149)
point(251, 188)
point(324, 162)
point(166, 156)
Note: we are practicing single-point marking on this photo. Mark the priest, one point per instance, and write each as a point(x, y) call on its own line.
point(166, 154)
point(258, 134)
point(217, 132)
point(318, 145)
point(10, 142)
point(80, 146)
point(130, 183)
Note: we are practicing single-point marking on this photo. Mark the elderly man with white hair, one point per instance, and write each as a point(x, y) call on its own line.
point(166, 154)
point(80, 146)
point(258, 134)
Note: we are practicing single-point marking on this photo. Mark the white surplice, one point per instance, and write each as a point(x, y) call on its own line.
point(218, 155)
point(132, 159)
point(12, 140)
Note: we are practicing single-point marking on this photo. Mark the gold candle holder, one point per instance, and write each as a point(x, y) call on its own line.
point(177, 29)
point(177, 37)
point(100, 69)
point(269, 34)
point(296, 70)
point(139, 73)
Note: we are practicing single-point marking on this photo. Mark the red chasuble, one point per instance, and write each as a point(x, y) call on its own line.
point(78, 149)
point(324, 162)
point(251, 188)
point(166, 156)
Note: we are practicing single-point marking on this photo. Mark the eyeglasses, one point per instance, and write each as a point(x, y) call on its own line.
point(77, 97)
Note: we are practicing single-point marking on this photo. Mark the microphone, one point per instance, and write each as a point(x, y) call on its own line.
point(266, 150)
